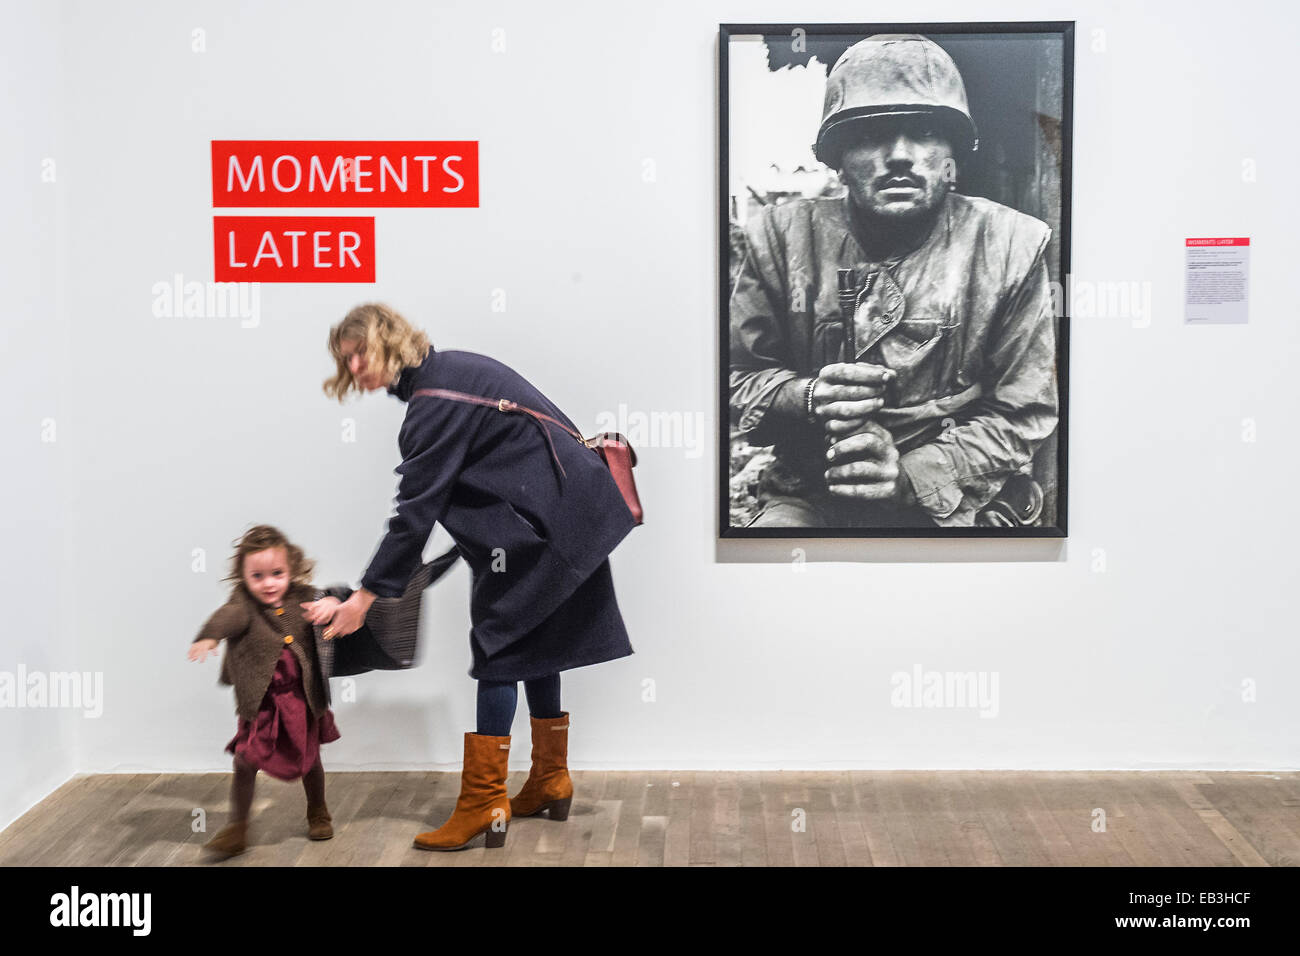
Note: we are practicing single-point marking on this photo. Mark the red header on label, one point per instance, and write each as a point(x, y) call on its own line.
point(1218, 242)
point(294, 248)
point(344, 174)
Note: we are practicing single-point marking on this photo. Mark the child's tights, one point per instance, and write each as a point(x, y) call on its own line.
point(241, 789)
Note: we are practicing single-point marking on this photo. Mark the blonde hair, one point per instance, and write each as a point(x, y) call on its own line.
point(261, 538)
point(388, 342)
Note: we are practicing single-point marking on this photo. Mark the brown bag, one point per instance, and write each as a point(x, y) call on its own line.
point(612, 447)
point(619, 457)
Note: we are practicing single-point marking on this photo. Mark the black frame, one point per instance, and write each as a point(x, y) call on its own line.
point(725, 32)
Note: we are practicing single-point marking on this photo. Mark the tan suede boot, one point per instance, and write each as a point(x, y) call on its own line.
point(318, 823)
point(230, 840)
point(483, 805)
point(548, 786)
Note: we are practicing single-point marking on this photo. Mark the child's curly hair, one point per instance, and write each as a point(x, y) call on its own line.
point(260, 538)
point(389, 342)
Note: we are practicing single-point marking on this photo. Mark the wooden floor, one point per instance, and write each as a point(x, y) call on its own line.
point(666, 818)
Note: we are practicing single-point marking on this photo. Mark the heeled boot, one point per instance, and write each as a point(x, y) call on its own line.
point(548, 787)
point(483, 805)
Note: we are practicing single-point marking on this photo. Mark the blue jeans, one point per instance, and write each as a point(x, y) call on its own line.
point(497, 701)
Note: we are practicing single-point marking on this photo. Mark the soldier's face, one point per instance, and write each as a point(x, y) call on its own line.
point(898, 167)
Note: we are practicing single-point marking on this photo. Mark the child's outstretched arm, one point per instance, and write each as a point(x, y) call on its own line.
point(201, 648)
point(229, 620)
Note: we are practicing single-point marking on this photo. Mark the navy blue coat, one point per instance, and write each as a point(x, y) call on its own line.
point(536, 532)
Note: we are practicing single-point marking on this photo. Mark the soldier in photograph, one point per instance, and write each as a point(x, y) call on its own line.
point(896, 345)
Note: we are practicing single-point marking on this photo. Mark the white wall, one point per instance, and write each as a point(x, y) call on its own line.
point(178, 433)
point(37, 745)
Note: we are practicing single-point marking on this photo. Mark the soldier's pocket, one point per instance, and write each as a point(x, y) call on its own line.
point(916, 350)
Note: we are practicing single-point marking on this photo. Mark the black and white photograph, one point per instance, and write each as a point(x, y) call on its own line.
point(895, 237)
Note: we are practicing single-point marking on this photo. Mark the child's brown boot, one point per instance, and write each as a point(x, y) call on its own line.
point(318, 823)
point(231, 840)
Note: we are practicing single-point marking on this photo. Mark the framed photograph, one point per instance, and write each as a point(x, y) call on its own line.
point(894, 234)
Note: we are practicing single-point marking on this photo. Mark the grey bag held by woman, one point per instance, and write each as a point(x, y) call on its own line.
point(389, 638)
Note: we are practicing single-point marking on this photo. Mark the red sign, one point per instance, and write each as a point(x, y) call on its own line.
point(1218, 242)
point(344, 174)
point(294, 248)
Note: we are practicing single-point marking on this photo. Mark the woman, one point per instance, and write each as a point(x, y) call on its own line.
point(535, 514)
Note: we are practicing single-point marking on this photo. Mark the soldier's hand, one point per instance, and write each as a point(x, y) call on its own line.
point(846, 393)
point(864, 465)
point(839, 427)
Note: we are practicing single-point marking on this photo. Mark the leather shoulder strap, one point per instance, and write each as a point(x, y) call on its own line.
point(505, 405)
point(500, 404)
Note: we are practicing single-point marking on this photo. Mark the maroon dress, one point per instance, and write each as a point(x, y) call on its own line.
point(284, 738)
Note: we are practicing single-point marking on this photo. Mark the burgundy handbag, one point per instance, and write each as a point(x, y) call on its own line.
point(612, 447)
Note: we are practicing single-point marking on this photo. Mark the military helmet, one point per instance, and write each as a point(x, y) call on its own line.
point(893, 74)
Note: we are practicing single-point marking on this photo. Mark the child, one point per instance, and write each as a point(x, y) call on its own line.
point(281, 700)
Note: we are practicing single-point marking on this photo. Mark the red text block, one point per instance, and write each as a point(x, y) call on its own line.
point(294, 248)
point(344, 174)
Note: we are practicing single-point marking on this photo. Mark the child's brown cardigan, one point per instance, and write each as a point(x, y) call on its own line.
point(256, 634)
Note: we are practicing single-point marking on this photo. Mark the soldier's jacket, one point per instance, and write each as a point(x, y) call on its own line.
point(965, 320)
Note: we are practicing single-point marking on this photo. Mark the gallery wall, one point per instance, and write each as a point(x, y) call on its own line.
point(37, 746)
point(1158, 635)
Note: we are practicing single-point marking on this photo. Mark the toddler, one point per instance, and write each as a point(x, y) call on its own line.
point(280, 697)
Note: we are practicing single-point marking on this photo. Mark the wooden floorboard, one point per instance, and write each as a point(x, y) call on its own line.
point(1059, 827)
point(693, 818)
point(52, 808)
point(1240, 799)
point(880, 842)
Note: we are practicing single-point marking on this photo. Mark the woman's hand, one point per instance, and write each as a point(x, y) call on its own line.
point(349, 615)
point(200, 650)
point(318, 612)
